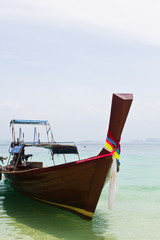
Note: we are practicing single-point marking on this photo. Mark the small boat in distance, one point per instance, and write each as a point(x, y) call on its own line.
point(74, 186)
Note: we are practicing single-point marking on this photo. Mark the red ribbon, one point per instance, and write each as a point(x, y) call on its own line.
point(115, 140)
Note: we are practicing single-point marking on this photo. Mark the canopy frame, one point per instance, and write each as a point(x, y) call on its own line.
point(52, 145)
point(31, 122)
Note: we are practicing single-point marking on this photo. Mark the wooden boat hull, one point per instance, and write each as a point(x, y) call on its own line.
point(74, 186)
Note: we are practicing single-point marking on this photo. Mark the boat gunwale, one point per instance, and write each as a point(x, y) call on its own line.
point(58, 167)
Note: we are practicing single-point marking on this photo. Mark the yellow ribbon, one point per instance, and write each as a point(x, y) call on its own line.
point(111, 149)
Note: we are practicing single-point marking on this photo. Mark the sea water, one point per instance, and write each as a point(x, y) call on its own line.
point(135, 214)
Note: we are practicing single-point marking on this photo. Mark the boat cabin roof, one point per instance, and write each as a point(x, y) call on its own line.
point(18, 121)
point(56, 148)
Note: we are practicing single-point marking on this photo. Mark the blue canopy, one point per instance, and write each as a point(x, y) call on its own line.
point(17, 121)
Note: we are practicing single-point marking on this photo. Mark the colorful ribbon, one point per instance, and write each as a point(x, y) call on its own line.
point(113, 145)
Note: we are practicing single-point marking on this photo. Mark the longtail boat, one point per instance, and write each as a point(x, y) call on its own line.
point(74, 186)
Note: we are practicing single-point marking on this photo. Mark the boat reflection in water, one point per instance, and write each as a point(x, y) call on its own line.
point(23, 218)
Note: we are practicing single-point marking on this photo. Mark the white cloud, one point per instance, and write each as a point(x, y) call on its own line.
point(10, 106)
point(136, 18)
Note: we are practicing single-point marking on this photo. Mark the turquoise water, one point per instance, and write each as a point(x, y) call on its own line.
point(135, 214)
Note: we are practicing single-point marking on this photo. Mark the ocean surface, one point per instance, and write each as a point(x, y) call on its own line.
point(135, 214)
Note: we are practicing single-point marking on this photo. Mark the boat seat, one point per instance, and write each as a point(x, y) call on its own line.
point(9, 168)
point(31, 165)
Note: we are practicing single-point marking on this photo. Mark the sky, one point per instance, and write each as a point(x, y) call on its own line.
point(61, 61)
